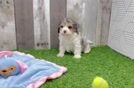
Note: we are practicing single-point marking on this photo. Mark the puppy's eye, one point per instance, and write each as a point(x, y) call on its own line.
point(70, 27)
point(4, 70)
point(61, 26)
point(11, 68)
point(7, 2)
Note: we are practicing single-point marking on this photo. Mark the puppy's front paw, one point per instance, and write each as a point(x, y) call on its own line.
point(60, 55)
point(77, 56)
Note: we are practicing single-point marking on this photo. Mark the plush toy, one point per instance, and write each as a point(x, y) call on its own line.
point(9, 67)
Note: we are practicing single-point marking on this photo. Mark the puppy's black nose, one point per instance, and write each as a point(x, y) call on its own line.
point(64, 31)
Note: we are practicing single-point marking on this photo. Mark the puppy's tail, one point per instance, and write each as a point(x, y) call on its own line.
point(89, 41)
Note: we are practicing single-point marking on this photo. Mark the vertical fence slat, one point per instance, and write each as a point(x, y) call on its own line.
point(57, 13)
point(7, 25)
point(24, 23)
point(105, 17)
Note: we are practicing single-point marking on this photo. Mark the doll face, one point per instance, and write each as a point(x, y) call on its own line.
point(8, 72)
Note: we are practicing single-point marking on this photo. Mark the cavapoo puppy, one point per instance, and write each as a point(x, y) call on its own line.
point(70, 39)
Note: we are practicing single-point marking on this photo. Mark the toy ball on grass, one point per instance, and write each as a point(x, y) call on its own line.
point(99, 82)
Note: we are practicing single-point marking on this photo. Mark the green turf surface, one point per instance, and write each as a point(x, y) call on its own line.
point(117, 69)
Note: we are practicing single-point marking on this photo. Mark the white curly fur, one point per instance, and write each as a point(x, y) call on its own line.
point(71, 41)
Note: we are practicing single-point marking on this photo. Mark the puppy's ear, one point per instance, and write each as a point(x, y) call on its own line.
point(58, 29)
point(75, 27)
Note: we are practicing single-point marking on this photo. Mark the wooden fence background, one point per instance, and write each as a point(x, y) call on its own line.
point(33, 23)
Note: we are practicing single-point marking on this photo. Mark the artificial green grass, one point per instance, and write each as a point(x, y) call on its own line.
point(117, 69)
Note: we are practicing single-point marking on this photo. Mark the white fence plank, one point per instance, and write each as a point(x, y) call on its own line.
point(7, 25)
point(41, 11)
point(85, 13)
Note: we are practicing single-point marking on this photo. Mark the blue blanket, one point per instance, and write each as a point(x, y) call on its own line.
point(37, 73)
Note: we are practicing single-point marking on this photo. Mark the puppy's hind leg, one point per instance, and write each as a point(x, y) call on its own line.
point(87, 48)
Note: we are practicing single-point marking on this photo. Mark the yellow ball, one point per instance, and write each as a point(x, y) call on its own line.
point(99, 82)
